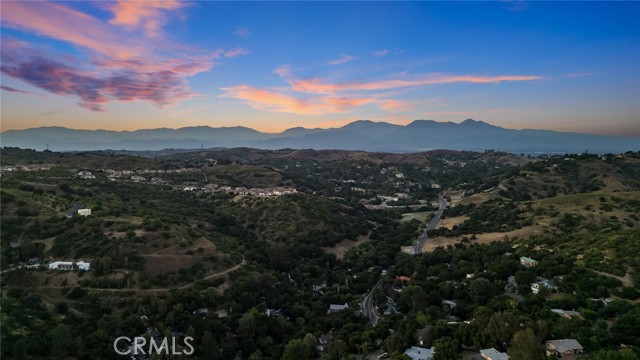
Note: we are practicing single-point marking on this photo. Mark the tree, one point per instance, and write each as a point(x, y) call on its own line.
point(61, 340)
point(525, 346)
point(501, 327)
point(208, 347)
point(300, 349)
point(19, 350)
point(445, 349)
point(622, 354)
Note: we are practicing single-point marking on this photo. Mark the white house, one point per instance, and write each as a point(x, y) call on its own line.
point(84, 212)
point(337, 307)
point(61, 265)
point(83, 265)
point(493, 354)
point(420, 353)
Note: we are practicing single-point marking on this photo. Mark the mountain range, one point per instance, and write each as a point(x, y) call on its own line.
point(419, 135)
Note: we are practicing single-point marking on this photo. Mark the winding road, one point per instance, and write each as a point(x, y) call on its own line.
point(367, 303)
point(417, 248)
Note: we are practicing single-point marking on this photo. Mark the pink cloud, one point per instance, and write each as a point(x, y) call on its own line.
point(93, 89)
point(284, 71)
point(62, 23)
point(242, 32)
point(147, 14)
point(318, 86)
point(343, 59)
point(236, 52)
point(122, 66)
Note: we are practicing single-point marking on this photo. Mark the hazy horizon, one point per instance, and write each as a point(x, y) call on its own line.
point(563, 66)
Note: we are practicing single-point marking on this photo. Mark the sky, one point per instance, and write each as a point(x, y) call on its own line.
point(126, 65)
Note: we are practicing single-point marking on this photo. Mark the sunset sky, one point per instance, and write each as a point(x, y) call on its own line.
point(125, 65)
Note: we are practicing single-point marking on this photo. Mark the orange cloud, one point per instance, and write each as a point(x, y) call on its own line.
point(148, 14)
point(273, 101)
point(395, 105)
point(318, 86)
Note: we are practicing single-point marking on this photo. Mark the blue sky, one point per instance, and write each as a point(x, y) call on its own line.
point(569, 66)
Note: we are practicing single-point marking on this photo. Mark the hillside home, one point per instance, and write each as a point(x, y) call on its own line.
point(84, 212)
point(83, 265)
point(61, 265)
point(324, 341)
point(334, 308)
point(493, 354)
point(567, 314)
point(528, 262)
point(543, 283)
point(563, 349)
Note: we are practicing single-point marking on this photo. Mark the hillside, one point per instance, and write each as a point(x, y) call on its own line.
point(237, 245)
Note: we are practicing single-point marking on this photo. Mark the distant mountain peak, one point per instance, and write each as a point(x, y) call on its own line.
point(472, 122)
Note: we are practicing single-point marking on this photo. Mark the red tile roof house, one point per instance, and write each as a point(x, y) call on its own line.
point(564, 348)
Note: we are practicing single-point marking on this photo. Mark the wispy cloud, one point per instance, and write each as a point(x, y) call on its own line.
point(14, 90)
point(274, 101)
point(129, 60)
point(235, 52)
point(319, 86)
point(242, 32)
point(579, 75)
point(343, 59)
point(395, 105)
point(380, 53)
point(315, 96)
point(284, 71)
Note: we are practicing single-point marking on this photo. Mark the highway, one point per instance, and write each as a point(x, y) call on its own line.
point(417, 248)
point(367, 302)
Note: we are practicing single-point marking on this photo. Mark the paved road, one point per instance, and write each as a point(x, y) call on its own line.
point(367, 305)
point(367, 302)
point(417, 248)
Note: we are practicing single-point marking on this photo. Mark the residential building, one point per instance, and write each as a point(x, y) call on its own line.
point(61, 265)
point(324, 341)
point(84, 212)
point(528, 262)
point(83, 265)
point(333, 308)
point(493, 354)
point(543, 283)
point(420, 353)
point(563, 349)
